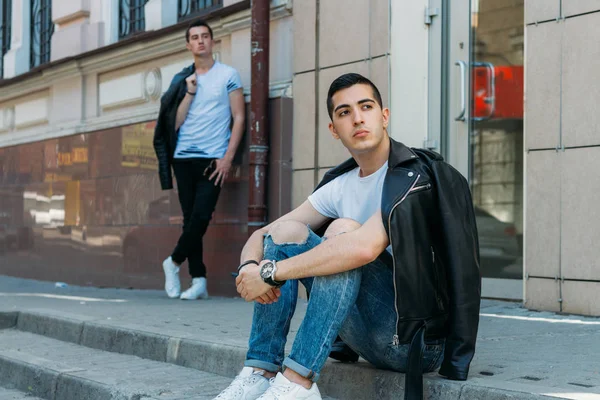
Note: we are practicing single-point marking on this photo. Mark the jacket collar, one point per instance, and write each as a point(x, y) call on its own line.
point(184, 73)
point(187, 71)
point(399, 154)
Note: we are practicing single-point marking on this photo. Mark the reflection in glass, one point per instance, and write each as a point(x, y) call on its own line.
point(196, 8)
point(497, 134)
point(88, 209)
point(42, 29)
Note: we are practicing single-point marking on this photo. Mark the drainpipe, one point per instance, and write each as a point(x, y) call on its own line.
point(259, 103)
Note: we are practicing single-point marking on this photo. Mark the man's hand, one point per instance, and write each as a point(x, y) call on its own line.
point(251, 286)
point(222, 167)
point(191, 83)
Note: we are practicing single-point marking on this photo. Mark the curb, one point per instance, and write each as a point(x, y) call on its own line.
point(8, 320)
point(53, 383)
point(203, 356)
point(342, 381)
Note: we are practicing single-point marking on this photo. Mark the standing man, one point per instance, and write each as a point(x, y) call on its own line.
point(195, 136)
point(396, 274)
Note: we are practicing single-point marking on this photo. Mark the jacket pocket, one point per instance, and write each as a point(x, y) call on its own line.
point(420, 188)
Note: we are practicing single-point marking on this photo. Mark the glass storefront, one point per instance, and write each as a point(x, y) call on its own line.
point(475, 110)
point(496, 134)
point(88, 209)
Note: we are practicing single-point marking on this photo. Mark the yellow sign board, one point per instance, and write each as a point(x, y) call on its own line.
point(137, 149)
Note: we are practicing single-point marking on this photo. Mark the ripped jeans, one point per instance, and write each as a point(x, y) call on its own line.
point(358, 305)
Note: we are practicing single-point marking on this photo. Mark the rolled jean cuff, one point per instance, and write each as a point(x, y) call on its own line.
point(267, 366)
point(300, 370)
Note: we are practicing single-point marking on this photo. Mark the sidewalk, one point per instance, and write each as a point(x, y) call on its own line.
point(520, 353)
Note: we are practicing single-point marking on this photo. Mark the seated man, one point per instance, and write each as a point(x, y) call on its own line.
point(395, 274)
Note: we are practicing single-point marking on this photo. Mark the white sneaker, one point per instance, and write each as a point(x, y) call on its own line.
point(283, 389)
point(248, 385)
point(172, 284)
point(196, 291)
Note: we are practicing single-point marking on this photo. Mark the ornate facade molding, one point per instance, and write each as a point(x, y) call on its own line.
point(118, 87)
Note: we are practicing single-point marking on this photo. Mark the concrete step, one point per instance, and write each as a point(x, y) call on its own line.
point(342, 381)
point(57, 370)
point(53, 369)
point(11, 394)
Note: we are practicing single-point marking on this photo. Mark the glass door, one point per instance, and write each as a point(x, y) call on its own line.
point(480, 125)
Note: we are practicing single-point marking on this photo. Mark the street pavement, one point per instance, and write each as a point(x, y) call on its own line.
point(517, 349)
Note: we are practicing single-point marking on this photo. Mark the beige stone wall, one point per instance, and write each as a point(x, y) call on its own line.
point(340, 36)
point(73, 31)
point(562, 123)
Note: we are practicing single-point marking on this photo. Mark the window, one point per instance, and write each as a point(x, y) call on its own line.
point(195, 8)
point(42, 29)
point(132, 18)
point(5, 19)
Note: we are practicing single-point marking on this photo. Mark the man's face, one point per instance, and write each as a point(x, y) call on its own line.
point(200, 43)
point(358, 120)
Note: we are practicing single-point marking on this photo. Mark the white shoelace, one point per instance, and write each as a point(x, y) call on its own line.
point(275, 391)
point(237, 385)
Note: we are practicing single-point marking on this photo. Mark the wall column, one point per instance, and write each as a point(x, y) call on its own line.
point(16, 60)
point(74, 34)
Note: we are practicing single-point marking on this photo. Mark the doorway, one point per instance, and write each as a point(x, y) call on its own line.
point(476, 122)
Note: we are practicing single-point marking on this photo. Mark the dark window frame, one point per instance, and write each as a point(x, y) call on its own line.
point(187, 9)
point(132, 18)
point(42, 29)
point(5, 31)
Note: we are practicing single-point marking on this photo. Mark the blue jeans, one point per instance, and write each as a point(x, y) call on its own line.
point(358, 305)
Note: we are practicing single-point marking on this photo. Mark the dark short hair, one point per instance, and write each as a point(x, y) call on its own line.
point(196, 24)
point(345, 81)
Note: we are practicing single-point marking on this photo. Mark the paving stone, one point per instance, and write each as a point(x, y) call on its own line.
point(520, 353)
point(11, 394)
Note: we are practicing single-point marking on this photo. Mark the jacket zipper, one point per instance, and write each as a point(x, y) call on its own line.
point(396, 339)
point(420, 188)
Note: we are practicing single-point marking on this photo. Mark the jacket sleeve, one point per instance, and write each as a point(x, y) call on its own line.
point(459, 231)
point(161, 147)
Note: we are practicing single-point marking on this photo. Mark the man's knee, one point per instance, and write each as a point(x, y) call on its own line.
point(341, 225)
point(288, 232)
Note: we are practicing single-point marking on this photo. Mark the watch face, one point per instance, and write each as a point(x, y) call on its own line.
point(267, 270)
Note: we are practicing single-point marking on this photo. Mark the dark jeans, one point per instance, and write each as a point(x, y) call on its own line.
point(197, 197)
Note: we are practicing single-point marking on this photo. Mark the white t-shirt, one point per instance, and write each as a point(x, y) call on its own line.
point(206, 130)
point(351, 196)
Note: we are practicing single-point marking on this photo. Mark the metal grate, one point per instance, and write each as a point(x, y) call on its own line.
point(132, 18)
point(42, 29)
point(195, 8)
point(5, 23)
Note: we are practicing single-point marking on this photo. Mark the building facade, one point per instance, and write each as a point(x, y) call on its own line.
point(503, 89)
point(81, 201)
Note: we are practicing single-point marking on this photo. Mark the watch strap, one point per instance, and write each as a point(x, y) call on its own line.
point(273, 282)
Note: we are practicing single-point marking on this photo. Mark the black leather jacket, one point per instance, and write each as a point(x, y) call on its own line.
point(429, 218)
point(165, 135)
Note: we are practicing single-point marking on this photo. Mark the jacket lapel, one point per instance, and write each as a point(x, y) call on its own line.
point(399, 154)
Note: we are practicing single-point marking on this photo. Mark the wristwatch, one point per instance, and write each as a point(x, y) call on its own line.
point(267, 273)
